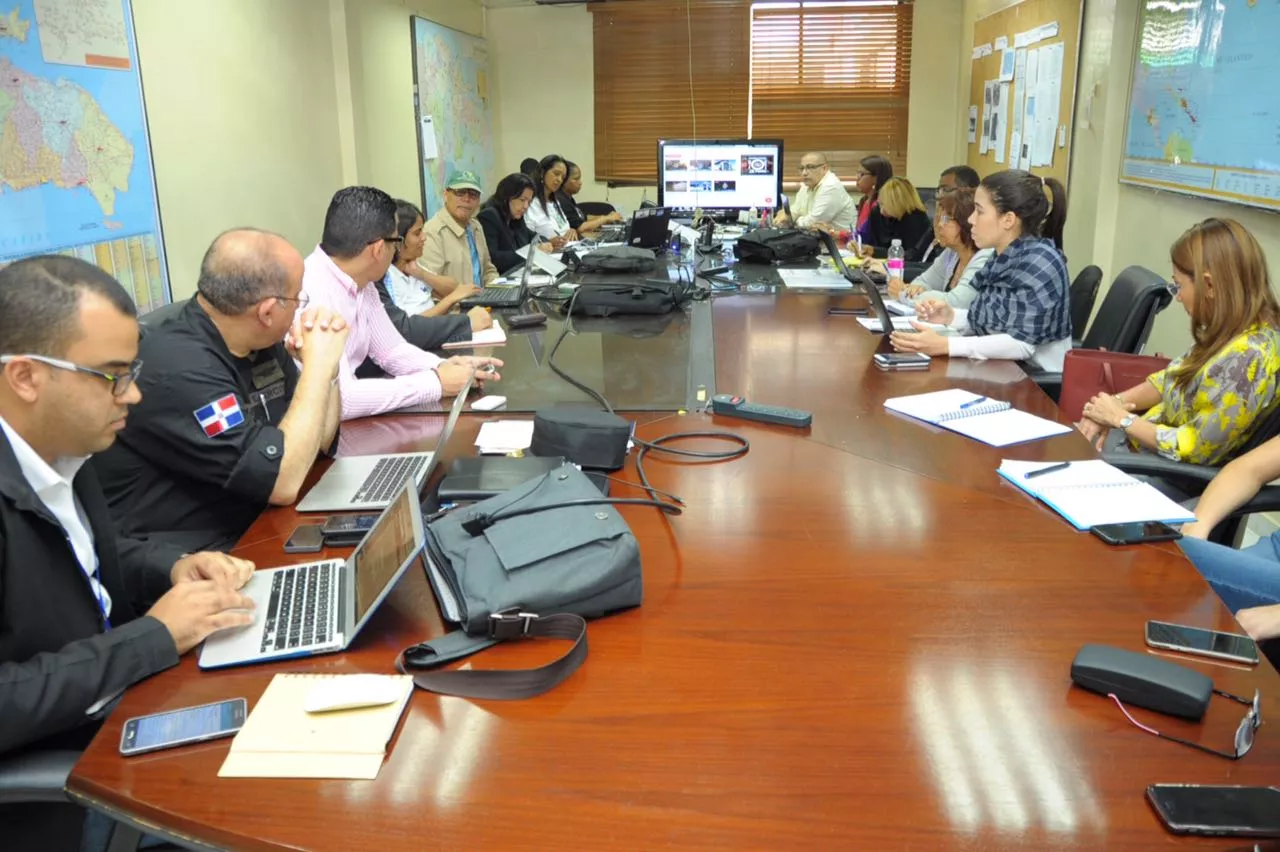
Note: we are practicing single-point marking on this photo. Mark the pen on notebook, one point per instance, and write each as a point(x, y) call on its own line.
point(1050, 469)
point(971, 403)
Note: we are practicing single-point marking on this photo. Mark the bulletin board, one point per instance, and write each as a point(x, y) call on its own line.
point(1024, 65)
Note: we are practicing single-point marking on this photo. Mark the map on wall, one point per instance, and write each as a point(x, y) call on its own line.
point(1204, 117)
point(75, 161)
point(451, 105)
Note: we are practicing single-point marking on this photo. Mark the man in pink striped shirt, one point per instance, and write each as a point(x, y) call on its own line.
point(355, 250)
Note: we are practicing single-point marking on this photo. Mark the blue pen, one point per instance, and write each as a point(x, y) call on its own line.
point(971, 403)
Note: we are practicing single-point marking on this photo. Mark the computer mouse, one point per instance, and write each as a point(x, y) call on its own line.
point(488, 403)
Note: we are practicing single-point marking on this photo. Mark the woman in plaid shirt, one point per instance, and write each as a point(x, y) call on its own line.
point(1022, 310)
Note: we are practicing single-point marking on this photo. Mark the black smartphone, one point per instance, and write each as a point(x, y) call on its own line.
point(1202, 641)
point(848, 312)
point(350, 523)
point(180, 727)
point(1136, 533)
point(902, 360)
point(1221, 811)
point(307, 538)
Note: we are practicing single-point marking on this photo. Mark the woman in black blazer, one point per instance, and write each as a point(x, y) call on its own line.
point(502, 218)
point(900, 215)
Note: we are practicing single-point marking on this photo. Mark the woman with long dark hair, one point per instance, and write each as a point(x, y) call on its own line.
point(873, 173)
point(545, 217)
point(578, 220)
point(503, 219)
point(1022, 311)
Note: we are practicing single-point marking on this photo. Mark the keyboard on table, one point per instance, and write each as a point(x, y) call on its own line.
point(386, 478)
point(496, 296)
point(300, 612)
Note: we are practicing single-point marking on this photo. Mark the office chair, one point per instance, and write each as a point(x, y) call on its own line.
point(1123, 323)
point(596, 208)
point(1084, 292)
point(35, 777)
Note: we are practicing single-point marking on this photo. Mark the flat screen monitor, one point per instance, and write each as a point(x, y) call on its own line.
point(719, 176)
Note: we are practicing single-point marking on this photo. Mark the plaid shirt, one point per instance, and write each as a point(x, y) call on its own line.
point(1023, 293)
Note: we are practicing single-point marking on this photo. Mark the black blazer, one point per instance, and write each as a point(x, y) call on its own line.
point(915, 230)
point(572, 212)
point(504, 238)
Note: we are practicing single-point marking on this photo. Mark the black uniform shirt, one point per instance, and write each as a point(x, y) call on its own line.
point(198, 458)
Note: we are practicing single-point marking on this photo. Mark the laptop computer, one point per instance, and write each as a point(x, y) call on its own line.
point(505, 295)
point(320, 607)
point(650, 228)
point(353, 483)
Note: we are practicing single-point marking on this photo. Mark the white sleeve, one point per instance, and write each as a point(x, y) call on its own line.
point(539, 220)
point(1000, 347)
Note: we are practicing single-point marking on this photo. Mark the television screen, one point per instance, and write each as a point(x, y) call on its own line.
point(720, 175)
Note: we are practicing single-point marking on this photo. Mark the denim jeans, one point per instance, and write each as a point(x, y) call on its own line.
point(1242, 578)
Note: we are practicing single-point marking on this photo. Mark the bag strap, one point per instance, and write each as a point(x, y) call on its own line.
point(503, 683)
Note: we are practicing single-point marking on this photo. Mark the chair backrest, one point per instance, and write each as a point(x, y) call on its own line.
point(929, 195)
point(1127, 313)
point(596, 208)
point(1084, 292)
point(155, 318)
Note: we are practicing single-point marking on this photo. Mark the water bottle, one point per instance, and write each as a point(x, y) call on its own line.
point(896, 265)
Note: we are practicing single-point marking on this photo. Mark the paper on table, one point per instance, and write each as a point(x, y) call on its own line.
point(505, 436)
point(822, 278)
point(1089, 493)
point(899, 323)
point(492, 336)
point(1007, 427)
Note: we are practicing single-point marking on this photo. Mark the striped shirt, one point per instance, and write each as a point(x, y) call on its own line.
point(411, 372)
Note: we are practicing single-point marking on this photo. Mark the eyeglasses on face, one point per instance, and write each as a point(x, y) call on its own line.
point(943, 219)
point(119, 382)
point(1244, 733)
point(1173, 287)
point(302, 299)
point(395, 238)
point(946, 190)
point(805, 168)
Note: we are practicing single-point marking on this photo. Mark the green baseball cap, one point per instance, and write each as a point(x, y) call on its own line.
point(463, 180)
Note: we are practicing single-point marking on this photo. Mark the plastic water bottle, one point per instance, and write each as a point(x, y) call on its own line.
point(896, 264)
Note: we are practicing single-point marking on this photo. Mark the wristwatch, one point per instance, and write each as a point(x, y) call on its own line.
point(1127, 422)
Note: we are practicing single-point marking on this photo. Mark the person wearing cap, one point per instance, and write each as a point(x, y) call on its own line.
point(454, 251)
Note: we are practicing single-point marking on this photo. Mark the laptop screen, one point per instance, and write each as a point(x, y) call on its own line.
point(393, 542)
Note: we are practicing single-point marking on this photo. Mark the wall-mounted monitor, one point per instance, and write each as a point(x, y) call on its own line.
point(719, 176)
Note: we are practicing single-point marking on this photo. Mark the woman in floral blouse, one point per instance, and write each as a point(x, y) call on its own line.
point(1207, 403)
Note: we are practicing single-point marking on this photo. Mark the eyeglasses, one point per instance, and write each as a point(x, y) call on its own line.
point(805, 168)
point(943, 219)
point(392, 240)
point(1244, 733)
point(302, 299)
point(120, 382)
point(946, 190)
point(1173, 287)
point(861, 174)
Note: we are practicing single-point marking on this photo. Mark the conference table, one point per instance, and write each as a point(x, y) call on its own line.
point(857, 636)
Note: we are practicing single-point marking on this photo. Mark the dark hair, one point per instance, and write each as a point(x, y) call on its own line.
point(959, 206)
point(40, 303)
point(511, 186)
point(239, 270)
point(406, 214)
point(357, 216)
point(539, 181)
point(964, 175)
point(529, 166)
point(880, 168)
point(1022, 194)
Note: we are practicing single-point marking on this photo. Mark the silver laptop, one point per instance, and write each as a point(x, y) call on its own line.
point(320, 607)
point(368, 482)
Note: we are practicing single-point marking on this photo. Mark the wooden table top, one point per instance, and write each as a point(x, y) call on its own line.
point(857, 636)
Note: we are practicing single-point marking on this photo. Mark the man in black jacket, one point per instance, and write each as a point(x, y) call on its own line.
point(75, 628)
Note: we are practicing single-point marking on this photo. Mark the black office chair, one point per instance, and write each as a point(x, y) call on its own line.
point(596, 208)
point(1123, 323)
point(1084, 292)
point(40, 777)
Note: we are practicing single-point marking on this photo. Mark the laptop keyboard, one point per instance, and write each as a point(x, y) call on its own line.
point(496, 296)
point(300, 612)
point(386, 478)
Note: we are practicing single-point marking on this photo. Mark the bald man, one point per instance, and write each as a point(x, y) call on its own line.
point(227, 424)
point(822, 200)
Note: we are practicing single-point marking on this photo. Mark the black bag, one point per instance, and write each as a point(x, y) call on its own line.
point(585, 436)
point(777, 245)
point(637, 297)
point(614, 259)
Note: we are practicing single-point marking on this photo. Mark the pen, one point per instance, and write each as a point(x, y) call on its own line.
point(971, 403)
point(1050, 469)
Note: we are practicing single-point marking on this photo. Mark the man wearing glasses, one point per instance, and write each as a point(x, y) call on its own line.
point(454, 250)
point(355, 250)
point(78, 624)
point(228, 424)
point(821, 200)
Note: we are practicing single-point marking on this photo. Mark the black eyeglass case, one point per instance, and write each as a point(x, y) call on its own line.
point(1142, 680)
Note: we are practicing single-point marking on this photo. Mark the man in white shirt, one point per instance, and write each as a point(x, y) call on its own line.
point(822, 200)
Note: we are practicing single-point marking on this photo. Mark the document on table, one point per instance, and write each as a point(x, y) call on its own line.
point(822, 278)
point(504, 436)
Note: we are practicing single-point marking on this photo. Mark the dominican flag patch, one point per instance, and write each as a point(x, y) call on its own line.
point(219, 415)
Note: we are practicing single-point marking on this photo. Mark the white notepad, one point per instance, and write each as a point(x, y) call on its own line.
point(991, 421)
point(494, 335)
point(1090, 493)
point(901, 324)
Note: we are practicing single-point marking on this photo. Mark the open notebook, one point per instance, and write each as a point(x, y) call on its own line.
point(1090, 493)
point(494, 335)
point(280, 739)
point(991, 421)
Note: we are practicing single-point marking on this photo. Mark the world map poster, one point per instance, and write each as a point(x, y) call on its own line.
point(75, 162)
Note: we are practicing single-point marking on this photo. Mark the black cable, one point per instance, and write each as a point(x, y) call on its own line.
point(656, 446)
point(479, 523)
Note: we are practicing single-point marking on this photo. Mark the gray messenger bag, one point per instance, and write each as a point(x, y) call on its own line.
point(535, 561)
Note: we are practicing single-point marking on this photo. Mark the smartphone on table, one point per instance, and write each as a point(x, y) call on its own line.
point(1136, 533)
point(1217, 810)
point(348, 529)
point(1202, 642)
point(902, 360)
point(306, 538)
point(142, 734)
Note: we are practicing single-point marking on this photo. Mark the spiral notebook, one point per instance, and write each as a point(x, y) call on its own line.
point(991, 421)
point(1091, 493)
point(494, 335)
point(280, 739)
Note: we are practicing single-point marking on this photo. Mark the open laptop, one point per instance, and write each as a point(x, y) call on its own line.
point(505, 295)
point(649, 228)
point(353, 483)
point(320, 607)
